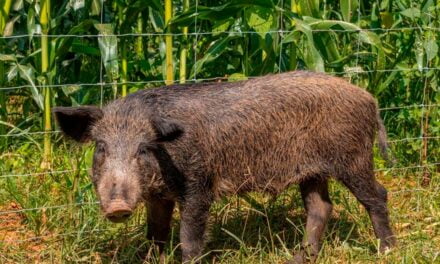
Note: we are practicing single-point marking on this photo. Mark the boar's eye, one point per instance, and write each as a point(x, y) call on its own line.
point(100, 147)
point(143, 149)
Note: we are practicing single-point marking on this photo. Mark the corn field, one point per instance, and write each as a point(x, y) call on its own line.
point(89, 52)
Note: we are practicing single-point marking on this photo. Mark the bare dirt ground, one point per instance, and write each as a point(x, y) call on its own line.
point(15, 237)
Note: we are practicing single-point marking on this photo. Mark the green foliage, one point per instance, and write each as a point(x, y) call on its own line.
point(390, 48)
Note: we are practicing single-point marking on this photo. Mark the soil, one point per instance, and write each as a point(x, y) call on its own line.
point(15, 237)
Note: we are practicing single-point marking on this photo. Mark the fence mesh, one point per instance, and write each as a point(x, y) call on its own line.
point(15, 134)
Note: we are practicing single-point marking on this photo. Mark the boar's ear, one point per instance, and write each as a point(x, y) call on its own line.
point(166, 129)
point(76, 122)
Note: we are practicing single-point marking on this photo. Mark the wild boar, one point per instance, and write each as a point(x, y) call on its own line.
point(190, 144)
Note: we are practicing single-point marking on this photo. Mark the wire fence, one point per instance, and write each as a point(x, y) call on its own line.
point(109, 84)
point(196, 34)
point(81, 206)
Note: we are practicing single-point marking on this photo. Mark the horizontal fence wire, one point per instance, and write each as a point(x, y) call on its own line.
point(98, 84)
point(47, 207)
point(97, 202)
point(57, 132)
point(41, 237)
point(174, 34)
point(30, 133)
point(125, 228)
point(41, 173)
point(434, 164)
point(412, 139)
point(408, 107)
point(73, 171)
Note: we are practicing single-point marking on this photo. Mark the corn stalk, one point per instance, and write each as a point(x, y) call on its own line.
point(3, 110)
point(293, 55)
point(123, 54)
point(124, 67)
point(44, 21)
point(139, 43)
point(184, 50)
point(4, 14)
point(169, 44)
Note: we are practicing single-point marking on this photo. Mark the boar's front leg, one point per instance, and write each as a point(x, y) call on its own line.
point(159, 214)
point(318, 206)
point(194, 216)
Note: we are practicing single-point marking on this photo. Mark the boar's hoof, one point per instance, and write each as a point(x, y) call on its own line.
point(301, 258)
point(118, 211)
point(388, 244)
point(152, 255)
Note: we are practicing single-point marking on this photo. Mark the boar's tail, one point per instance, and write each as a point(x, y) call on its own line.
point(383, 143)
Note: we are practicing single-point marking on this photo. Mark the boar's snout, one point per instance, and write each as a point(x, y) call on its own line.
point(118, 211)
point(119, 193)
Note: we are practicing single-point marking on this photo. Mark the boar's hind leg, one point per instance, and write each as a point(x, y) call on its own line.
point(318, 206)
point(159, 214)
point(373, 196)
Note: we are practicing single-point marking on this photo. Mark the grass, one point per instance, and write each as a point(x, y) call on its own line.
point(397, 37)
point(252, 229)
